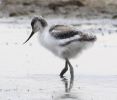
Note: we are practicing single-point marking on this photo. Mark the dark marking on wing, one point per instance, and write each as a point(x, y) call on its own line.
point(84, 38)
point(63, 32)
point(67, 34)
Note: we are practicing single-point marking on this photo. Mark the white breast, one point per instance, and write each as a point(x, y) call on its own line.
point(68, 51)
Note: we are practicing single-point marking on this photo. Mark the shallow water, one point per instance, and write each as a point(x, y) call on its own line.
point(51, 87)
point(21, 65)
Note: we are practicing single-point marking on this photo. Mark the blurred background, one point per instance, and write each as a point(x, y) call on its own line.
point(57, 8)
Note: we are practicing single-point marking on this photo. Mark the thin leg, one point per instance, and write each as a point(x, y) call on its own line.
point(71, 69)
point(71, 73)
point(64, 70)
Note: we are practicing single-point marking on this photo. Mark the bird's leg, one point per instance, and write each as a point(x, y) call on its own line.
point(64, 70)
point(71, 69)
point(72, 74)
point(67, 88)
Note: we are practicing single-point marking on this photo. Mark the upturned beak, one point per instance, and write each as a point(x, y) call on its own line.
point(32, 33)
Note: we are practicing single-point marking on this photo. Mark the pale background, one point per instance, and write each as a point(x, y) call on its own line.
point(30, 72)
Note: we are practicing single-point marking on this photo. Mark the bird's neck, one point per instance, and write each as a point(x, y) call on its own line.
point(43, 29)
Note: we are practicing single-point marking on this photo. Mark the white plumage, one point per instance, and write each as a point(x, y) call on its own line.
point(62, 40)
point(59, 46)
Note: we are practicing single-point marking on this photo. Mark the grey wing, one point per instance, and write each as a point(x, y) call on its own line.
point(63, 32)
point(68, 35)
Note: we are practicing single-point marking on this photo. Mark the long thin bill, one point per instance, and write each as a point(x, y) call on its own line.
point(32, 33)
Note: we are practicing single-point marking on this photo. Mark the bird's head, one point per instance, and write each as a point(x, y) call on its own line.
point(38, 24)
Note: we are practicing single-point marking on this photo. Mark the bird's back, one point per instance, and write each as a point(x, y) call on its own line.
point(65, 32)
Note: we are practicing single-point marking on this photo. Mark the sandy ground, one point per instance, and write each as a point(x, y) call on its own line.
point(22, 66)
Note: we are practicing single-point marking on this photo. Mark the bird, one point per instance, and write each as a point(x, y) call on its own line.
point(64, 41)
